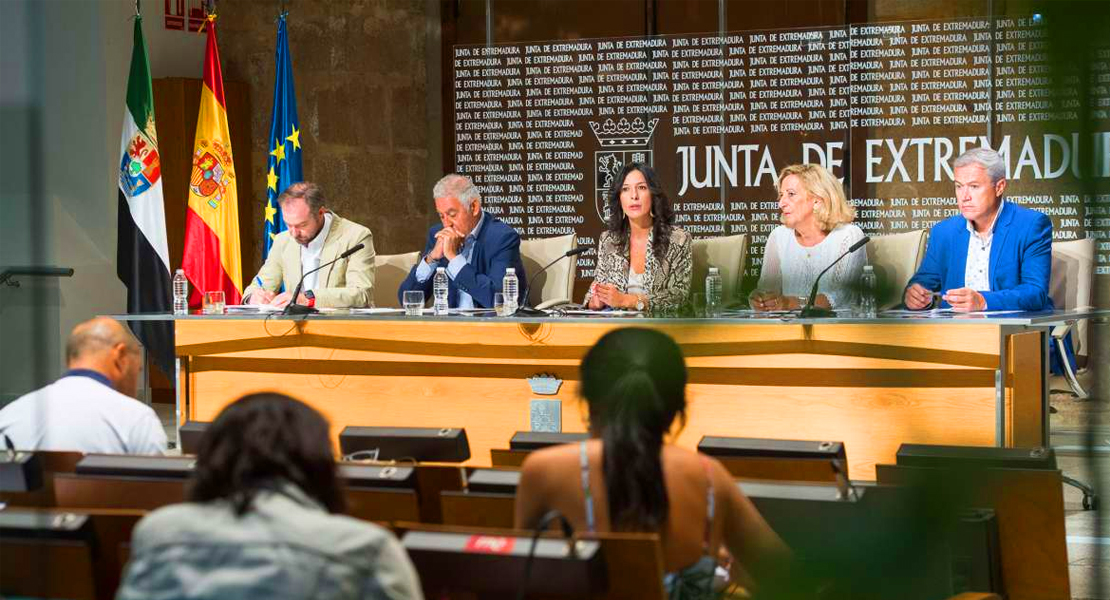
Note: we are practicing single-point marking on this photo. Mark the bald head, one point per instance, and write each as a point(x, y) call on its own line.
point(106, 346)
point(97, 335)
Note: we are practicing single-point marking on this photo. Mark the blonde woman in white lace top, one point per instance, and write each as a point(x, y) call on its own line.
point(816, 229)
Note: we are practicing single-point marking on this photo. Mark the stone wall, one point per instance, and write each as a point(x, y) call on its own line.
point(361, 79)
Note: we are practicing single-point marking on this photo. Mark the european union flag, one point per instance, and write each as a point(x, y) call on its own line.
point(285, 153)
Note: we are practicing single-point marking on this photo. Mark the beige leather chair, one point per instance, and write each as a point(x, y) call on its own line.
point(727, 253)
point(389, 271)
point(556, 285)
point(895, 259)
point(1073, 264)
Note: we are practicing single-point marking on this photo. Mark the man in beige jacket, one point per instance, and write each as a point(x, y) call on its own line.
point(315, 236)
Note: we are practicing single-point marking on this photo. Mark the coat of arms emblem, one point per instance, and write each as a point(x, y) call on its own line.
point(210, 177)
point(622, 142)
point(140, 168)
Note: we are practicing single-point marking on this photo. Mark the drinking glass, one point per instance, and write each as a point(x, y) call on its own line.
point(499, 304)
point(699, 304)
point(414, 302)
point(214, 303)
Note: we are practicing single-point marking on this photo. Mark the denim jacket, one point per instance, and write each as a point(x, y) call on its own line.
point(286, 546)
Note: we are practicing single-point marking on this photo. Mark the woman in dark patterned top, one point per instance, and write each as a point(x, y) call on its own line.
point(643, 260)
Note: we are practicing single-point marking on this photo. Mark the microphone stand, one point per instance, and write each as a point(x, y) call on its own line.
point(299, 309)
point(811, 311)
point(527, 311)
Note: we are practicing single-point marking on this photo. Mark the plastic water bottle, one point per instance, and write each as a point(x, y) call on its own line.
point(509, 287)
point(180, 293)
point(867, 288)
point(439, 292)
point(714, 290)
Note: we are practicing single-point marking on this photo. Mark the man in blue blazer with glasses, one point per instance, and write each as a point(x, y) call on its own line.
point(994, 255)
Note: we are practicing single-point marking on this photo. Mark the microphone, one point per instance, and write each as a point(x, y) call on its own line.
point(809, 310)
point(527, 311)
point(299, 309)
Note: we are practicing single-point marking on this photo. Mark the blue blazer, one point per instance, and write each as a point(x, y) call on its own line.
point(1020, 261)
point(496, 248)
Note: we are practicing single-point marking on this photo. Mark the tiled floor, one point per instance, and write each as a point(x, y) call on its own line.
point(1088, 547)
point(1088, 543)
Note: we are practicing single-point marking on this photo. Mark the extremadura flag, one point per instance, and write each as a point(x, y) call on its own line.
point(142, 252)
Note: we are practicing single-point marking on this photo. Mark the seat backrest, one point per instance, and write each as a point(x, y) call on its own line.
point(633, 561)
point(727, 254)
point(390, 271)
point(895, 258)
point(78, 491)
point(1070, 284)
point(556, 285)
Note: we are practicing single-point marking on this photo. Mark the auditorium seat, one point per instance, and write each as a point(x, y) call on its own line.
point(78, 491)
point(50, 553)
point(52, 463)
point(556, 285)
point(633, 562)
point(1070, 288)
point(1026, 494)
point(389, 271)
point(772, 459)
point(895, 258)
point(727, 254)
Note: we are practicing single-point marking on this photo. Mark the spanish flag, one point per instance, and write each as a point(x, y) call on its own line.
point(212, 258)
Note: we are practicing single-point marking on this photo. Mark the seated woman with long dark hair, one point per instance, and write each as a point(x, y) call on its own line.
point(627, 479)
point(262, 520)
point(643, 260)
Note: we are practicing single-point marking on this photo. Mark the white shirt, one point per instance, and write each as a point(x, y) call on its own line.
point(790, 268)
point(424, 270)
point(81, 412)
point(635, 283)
point(977, 272)
point(310, 254)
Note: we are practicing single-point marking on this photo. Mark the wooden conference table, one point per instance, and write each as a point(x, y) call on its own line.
point(873, 384)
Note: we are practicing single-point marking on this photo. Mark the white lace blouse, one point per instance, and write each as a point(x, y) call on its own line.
point(789, 268)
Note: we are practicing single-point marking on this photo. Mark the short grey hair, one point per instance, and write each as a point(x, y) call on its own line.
point(98, 335)
point(986, 158)
point(459, 187)
point(311, 193)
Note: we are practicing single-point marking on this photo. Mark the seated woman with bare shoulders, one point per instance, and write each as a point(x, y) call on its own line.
point(627, 479)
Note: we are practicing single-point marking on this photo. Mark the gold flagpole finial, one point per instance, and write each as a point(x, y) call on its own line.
point(209, 15)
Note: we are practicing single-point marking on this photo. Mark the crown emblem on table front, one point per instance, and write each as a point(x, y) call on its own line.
point(544, 384)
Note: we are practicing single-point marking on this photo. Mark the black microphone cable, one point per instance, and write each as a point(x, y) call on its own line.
point(548, 517)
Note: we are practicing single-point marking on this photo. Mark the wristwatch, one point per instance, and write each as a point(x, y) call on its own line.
point(640, 306)
point(311, 298)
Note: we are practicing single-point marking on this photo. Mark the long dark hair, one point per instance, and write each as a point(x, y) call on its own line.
point(662, 222)
point(259, 440)
point(634, 381)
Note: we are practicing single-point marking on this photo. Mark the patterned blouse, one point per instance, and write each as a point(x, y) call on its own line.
point(668, 282)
